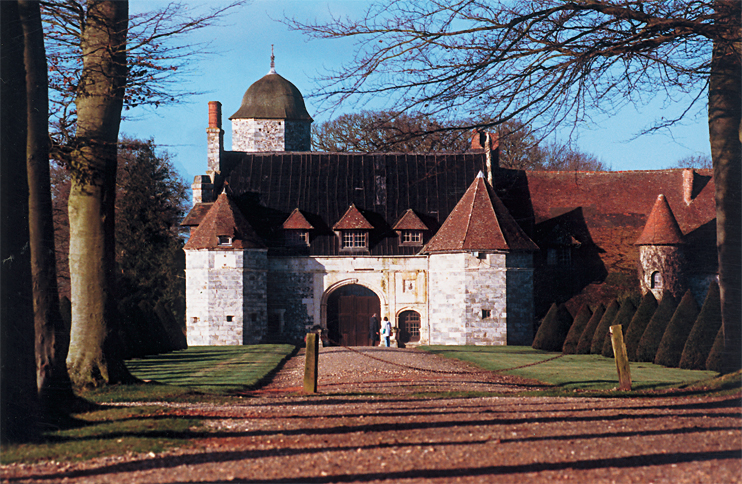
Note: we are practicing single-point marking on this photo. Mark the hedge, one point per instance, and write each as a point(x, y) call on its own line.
point(578, 326)
point(628, 308)
point(701, 337)
point(639, 323)
point(553, 330)
point(715, 361)
point(596, 347)
point(676, 334)
point(650, 340)
point(586, 338)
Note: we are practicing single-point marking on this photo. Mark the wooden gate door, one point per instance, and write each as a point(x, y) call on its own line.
point(354, 313)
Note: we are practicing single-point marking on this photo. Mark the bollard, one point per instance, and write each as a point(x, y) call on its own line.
point(622, 359)
point(310, 365)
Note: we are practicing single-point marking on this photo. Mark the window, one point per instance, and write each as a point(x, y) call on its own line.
point(355, 239)
point(656, 280)
point(486, 313)
point(225, 240)
point(229, 319)
point(412, 237)
point(409, 327)
point(297, 238)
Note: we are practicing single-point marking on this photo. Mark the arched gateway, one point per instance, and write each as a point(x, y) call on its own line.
point(349, 309)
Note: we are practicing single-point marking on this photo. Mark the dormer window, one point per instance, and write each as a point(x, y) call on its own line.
point(410, 229)
point(355, 239)
point(297, 238)
point(411, 237)
point(225, 241)
point(353, 231)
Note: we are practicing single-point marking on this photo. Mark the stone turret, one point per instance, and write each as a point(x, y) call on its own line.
point(662, 259)
point(272, 117)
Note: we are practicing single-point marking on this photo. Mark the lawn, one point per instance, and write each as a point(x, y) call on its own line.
point(197, 374)
point(570, 372)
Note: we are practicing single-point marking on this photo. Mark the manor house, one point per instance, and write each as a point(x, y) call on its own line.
point(452, 248)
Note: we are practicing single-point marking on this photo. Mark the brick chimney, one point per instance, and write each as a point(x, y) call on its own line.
point(689, 176)
point(215, 140)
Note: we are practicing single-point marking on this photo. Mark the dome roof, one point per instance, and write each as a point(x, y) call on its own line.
point(272, 97)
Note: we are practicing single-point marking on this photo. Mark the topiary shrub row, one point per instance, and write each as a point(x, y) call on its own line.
point(553, 330)
point(578, 326)
point(667, 333)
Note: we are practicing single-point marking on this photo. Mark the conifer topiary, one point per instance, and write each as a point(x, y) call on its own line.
point(586, 338)
point(650, 340)
point(596, 347)
point(714, 361)
point(701, 337)
point(623, 317)
point(639, 323)
point(578, 326)
point(553, 329)
point(676, 334)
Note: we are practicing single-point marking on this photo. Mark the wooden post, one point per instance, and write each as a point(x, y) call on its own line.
point(622, 359)
point(310, 366)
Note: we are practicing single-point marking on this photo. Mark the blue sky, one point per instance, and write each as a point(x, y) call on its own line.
point(242, 42)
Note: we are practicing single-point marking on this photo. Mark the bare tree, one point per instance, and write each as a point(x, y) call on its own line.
point(103, 62)
point(553, 62)
point(695, 161)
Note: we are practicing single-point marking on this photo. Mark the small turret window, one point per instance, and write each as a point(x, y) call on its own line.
point(225, 241)
point(656, 280)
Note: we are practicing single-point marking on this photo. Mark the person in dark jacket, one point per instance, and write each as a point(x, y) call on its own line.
point(373, 329)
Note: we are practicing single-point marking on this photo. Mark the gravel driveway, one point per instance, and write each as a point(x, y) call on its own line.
point(347, 434)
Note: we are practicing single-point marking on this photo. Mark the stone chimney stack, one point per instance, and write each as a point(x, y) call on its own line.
point(202, 189)
point(215, 140)
point(689, 176)
point(490, 143)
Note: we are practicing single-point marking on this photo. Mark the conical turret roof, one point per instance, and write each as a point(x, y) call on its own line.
point(224, 219)
point(479, 222)
point(661, 228)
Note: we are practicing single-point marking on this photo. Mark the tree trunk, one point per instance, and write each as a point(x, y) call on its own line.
point(94, 358)
point(52, 340)
point(725, 133)
point(17, 386)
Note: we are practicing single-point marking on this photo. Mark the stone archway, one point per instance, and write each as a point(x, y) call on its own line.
point(349, 309)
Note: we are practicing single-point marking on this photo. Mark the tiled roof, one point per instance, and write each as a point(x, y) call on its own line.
point(410, 221)
point(196, 215)
point(297, 221)
point(382, 186)
point(479, 222)
point(224, 219)
point(352, 220)
point(661, 227)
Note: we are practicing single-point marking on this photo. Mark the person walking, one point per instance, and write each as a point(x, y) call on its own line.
point(386, 332)
point(373, 329)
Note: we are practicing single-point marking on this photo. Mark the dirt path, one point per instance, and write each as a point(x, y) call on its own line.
point(344, 435)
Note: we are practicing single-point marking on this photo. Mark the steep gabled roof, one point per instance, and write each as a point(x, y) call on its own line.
point(352, 220)
point(224, 219)
point(410, 221)
point(196, 215)
point(479, 221)
point(297, 221)
point(661, 227)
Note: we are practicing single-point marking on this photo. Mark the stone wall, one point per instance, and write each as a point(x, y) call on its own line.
point(298, 136)
point(448, 314)
point(299, 288)
point(258, 135)
point(670, 262)
point(520, 299)
point(226, 299)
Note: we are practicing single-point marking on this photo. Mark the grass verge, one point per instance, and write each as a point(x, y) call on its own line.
point(196, 374)
point(583, 373)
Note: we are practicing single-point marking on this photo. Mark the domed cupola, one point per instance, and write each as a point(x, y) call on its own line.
point(272, 117)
